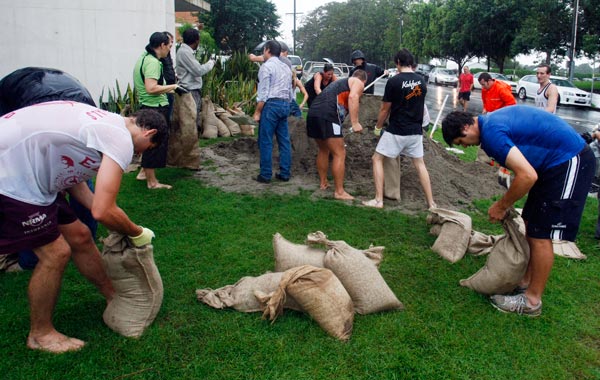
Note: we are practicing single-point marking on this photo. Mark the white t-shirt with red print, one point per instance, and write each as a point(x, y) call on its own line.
point(49, 147)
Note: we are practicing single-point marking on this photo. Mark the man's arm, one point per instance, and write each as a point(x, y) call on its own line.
point(356, 90)
point(384, 112)
point(82, 193)
point(186, 59)
point(552, 93)
point(104, 206)
point(507, 97)
point(525, 178)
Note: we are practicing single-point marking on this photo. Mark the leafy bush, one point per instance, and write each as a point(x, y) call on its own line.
point(121, 103)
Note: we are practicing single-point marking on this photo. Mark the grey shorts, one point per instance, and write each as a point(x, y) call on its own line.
point(392, 146)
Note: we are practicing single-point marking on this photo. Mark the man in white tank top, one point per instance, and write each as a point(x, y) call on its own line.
point(46, 150)
point(546, 96)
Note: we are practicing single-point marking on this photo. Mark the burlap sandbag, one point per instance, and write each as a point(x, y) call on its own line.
point(392, 173)
point(481, 244)
point(184, 151)
point(289, 255)
point(361, 278)
point(209, 120)
point(247, 129)
point(234, 128)
point(453, 237)
point(507, 262)
point(318, 292)
point(567, 249)
point(137, 283)
point(242, 296)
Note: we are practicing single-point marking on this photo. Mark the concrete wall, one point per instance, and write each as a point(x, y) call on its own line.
point(97, 41)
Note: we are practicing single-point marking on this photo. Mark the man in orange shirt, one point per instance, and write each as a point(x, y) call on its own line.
point(495, 94)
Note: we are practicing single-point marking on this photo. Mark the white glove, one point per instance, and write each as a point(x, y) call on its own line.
point(142, 239)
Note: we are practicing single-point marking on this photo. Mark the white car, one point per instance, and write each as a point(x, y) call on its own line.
point(496, 76)
point(567, 92)
point(440, 75)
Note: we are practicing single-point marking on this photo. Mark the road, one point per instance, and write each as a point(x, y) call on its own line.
point(582, 119)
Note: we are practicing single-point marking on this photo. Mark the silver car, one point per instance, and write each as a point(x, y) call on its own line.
point(440, 75)
point(567, 92)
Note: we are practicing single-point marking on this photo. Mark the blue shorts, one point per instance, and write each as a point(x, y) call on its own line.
point(27, 226)
point(555, 203)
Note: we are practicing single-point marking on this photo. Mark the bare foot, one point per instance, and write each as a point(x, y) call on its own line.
point(159, 185)
point(141, 175)
point(324, 186)
point(55, 343)
point(343, 196)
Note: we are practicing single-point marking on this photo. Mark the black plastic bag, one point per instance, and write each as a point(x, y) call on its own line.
point(33, 85)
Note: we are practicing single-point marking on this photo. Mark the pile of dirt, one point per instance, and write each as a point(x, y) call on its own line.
point(232, 166)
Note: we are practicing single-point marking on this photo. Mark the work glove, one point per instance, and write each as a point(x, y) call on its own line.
point(377, 131)
point(142, 239)
point(180, 90)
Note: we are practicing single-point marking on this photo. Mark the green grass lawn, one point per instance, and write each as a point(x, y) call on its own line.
point(208, 238)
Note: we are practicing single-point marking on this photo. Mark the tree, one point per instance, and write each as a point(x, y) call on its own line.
point(547, 31)
point(238, 24)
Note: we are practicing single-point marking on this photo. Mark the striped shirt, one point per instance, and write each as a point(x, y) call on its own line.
point(274, 81)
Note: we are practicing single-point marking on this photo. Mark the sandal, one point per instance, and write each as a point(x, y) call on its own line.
point(373, 203)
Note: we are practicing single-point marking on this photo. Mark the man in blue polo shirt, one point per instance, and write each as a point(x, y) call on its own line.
point(552, 163)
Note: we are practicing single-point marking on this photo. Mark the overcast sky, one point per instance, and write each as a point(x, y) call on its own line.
point(285, 10)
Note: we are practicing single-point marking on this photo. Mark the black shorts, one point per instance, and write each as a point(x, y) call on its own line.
point(318, 128)
point(157, 157)
point(555, 203)
point(464, 95)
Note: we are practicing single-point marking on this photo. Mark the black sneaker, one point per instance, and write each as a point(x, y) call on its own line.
point(261, 179)
point(281, 178)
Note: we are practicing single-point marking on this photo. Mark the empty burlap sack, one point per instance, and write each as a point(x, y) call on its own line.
point(567, 249)
point(361, 278)
point(137, 283)
point(453, 237)
point(318, 292)
point(209, 120)
point(184, 151)
point(392, 172)
point(242, 296)
point(481, 244)
point(507, 261)
point(289, 255)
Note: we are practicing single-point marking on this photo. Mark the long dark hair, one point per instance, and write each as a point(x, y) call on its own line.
point(156, 39)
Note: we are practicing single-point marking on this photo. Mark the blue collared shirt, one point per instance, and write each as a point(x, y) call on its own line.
point(274, 81)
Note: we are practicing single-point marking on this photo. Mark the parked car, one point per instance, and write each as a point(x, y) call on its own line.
point(297, 63)
point(317, 67)
point(439, 75)
point(567, 92)
point(423, 70)
point(496, 76)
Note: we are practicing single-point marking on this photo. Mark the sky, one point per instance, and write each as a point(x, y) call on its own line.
point(285, 10)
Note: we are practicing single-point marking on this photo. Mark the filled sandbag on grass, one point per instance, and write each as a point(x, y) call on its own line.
point(359, 275)
point(318, 292)
point(137, 283)
point(453, 236)
point(507, 261)
point(242, 296)
point(289, 255)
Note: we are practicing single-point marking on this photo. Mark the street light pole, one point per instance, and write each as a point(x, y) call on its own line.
point(573, 42)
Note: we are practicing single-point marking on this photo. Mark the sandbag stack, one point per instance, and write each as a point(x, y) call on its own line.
point(329, 280)
point(216, 121)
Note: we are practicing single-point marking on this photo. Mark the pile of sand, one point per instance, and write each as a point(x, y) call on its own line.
point(232, 166)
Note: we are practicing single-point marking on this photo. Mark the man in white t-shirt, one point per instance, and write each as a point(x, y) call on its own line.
point(45, 150)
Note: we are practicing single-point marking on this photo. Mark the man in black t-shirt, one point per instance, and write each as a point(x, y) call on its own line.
point(403, 102)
